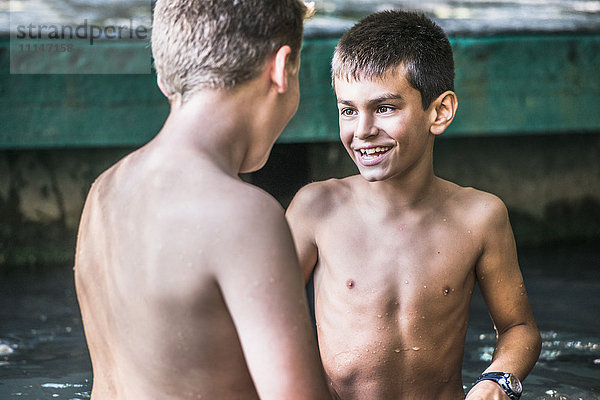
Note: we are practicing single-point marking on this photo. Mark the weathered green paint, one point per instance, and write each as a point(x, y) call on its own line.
point(527, 84)
point(506, 85)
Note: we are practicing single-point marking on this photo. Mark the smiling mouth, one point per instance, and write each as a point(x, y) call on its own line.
point(373, 153)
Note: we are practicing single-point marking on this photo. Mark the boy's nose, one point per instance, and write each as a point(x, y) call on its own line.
point(365, 129)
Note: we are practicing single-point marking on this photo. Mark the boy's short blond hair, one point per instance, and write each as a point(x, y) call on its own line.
point(218, 44)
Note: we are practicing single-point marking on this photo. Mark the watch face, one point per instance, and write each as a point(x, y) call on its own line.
point(514, 384)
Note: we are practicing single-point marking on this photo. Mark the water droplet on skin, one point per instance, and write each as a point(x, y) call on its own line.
point(416, 348)
point(445, 220)
point(379, 315)
point(446, 291)
point(406, 282)
point(425, 286)
point(397, 350)
point(469, 232)
point(350, 284)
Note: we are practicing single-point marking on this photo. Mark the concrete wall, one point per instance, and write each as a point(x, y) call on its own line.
point(551, 184)
point(41, 197)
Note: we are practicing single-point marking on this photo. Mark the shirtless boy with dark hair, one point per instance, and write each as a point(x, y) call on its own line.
point(187, 278)
point(396, 251)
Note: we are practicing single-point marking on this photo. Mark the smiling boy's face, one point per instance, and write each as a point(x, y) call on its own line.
point(383, 125)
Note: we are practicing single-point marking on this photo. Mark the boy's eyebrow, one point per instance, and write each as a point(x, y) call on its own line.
point(377, 100)
point(386, 97)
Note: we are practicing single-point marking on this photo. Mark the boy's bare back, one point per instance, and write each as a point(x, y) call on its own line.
point(153, 237)
point(393, 284)
point(189, 286)
point(187, 278)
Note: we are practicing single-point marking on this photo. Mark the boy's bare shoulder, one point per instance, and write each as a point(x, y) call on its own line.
point(243, 200)
point(191, 207)
point(318, 199)
point(475, 206)
point(232, 206)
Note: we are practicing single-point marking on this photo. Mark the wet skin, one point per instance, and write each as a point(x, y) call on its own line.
point(396, 253)
point(392, 295)
point(187, 278)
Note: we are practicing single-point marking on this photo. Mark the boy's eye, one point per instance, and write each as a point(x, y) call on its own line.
point(347, 112)
point(384, 109)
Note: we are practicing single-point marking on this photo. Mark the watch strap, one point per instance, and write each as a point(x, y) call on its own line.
point(502, 379)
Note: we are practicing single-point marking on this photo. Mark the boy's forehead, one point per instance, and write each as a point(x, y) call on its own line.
point(370, 74)
point(392, 83)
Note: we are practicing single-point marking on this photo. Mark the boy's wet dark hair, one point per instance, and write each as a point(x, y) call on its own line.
point(389, 40)
point(218, 44)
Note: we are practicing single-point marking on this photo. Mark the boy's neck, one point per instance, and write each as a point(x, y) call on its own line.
point(407, 191)
point(214, 125)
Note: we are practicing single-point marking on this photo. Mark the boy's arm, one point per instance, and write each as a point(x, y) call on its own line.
point(299, 218)
point(262, 286)
point(499, 277)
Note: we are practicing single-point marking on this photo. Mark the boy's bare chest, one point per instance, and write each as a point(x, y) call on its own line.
point(432, 249)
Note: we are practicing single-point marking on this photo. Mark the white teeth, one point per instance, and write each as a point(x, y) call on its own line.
point(374, 150)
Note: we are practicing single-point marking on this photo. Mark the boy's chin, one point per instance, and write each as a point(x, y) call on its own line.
point(252, 168)
point(372, 176)
point(254, 165)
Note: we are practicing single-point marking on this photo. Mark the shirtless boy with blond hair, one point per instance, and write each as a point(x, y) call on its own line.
point(187, 278)
point(396, 251)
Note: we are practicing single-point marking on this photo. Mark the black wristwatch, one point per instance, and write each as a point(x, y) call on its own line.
point(508, 382)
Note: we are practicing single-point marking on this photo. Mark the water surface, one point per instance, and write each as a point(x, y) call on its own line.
point(43, 354)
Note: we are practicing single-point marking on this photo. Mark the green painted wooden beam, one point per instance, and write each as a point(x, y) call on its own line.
point(525, 84)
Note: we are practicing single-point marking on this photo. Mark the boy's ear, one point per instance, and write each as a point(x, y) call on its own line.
point(161, 86)
point(279, 68)
point(443, 111)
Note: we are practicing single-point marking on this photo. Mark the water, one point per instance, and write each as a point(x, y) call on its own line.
point(563, 286)
point(43, 354)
